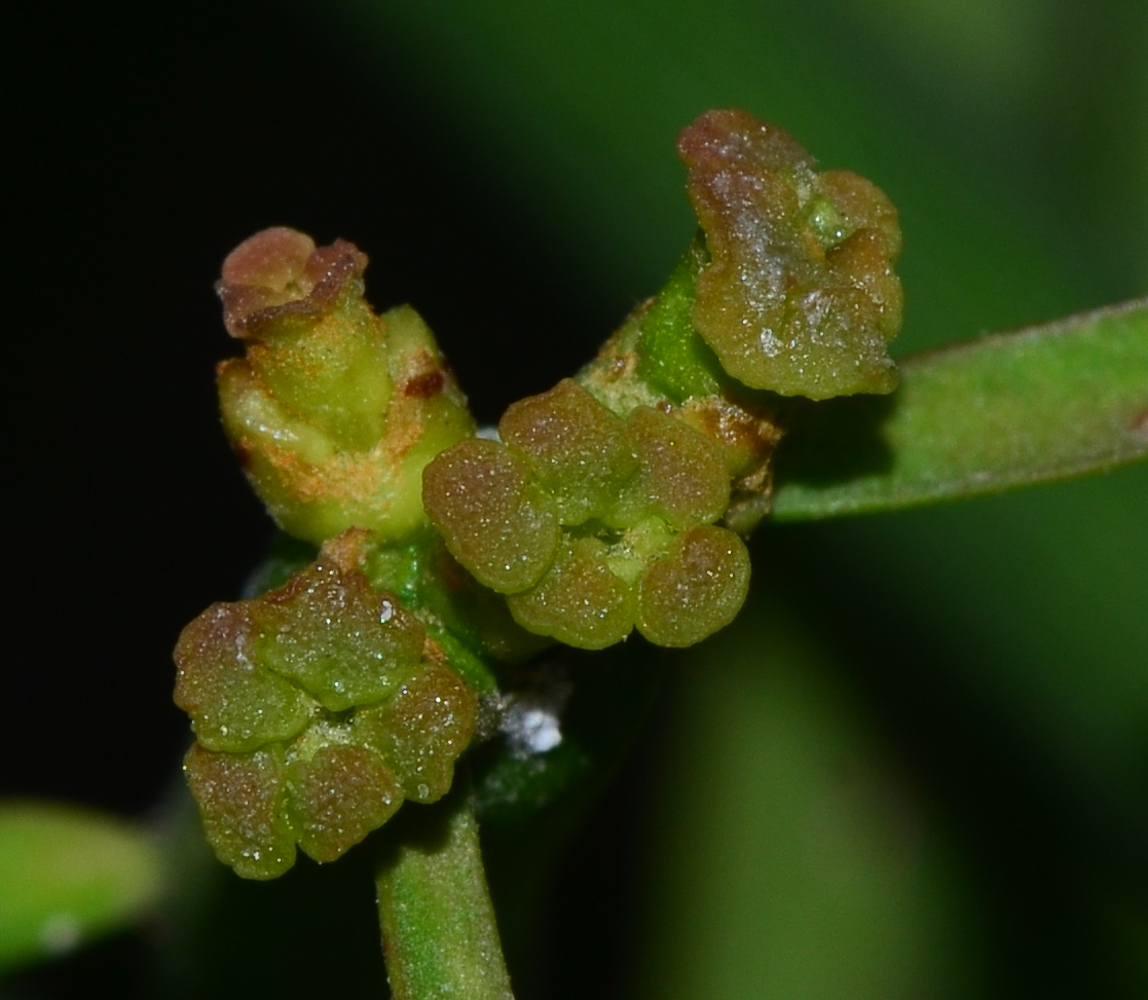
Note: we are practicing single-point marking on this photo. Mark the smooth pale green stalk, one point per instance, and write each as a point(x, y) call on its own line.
point(68, 875)
point(439, 934)
point(1009, 410)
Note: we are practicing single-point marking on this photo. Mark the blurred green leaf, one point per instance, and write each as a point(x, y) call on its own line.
point(1012, 410)
point(68, 875)
point(571, 111)
point(799, 862)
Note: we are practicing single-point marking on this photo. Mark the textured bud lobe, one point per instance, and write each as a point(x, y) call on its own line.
point(800, 296)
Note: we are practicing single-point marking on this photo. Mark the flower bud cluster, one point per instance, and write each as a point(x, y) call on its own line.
point(592, 524)
point(317, 709)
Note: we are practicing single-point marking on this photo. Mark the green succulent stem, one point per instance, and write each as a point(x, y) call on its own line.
point(438, 927)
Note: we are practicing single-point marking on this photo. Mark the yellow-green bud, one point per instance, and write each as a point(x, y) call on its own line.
point(333, 411)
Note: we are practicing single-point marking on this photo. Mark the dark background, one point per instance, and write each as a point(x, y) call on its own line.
point(144, 147)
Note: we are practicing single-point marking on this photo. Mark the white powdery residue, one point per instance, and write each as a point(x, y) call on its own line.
point(771, 345)
point(531, 721)
point(532, 730)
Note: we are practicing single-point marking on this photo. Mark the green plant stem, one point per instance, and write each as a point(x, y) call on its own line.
point(439, 934)
point(1014, 409)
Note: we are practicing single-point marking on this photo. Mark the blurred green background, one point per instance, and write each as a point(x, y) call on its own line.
point(918, 766)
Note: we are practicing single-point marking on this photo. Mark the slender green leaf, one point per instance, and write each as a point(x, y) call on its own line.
point(67, 875)
point(1014, 409)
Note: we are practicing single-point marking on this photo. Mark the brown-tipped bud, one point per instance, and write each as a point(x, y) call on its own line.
point(333, 411)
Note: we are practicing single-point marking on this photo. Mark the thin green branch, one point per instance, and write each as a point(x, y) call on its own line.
point(1009, 410)
point(439, 932)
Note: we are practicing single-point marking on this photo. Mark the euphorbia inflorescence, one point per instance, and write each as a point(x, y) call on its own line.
point(317, 709)
point(592, 524)
point(614, 501)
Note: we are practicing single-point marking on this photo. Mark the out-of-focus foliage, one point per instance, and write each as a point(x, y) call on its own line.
point(67, 876)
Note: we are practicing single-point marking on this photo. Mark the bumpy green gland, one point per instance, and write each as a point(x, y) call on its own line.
point(580, 602)
point(689, 591)
point(333, 411)
point(495, 518)
point(240, 800)
point(254, 672)
point(421, 731)
point(337, 638)
point(800, 297)
point(234, 703)
point(696, 589)
point(335, 798)
point(682, 477)
point(577, 447)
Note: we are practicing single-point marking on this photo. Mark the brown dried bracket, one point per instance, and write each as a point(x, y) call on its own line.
point(278, 273)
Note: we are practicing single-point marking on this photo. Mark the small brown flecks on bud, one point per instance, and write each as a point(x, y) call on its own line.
point(747, 434)
point(279, 271)
point(346, 551)
point(242, 455)
point(426, 385)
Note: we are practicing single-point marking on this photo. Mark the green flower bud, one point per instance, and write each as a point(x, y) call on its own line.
point(800, 296)
point(333, 411)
